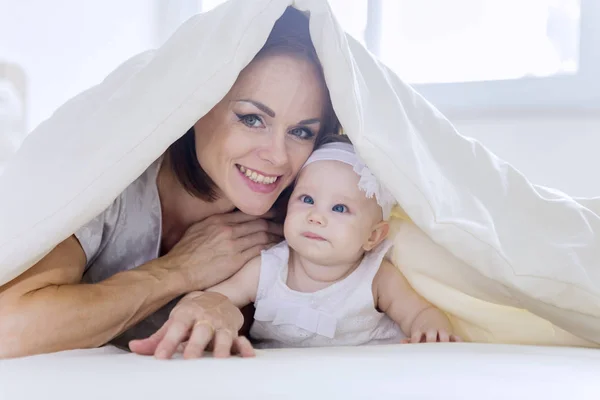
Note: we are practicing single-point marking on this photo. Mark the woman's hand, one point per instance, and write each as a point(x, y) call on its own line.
point(212, 250)
point(203, 319)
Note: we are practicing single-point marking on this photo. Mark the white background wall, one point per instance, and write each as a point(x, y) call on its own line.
point(68, 45)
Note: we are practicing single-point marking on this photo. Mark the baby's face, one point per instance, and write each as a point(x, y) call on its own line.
point(329, 219)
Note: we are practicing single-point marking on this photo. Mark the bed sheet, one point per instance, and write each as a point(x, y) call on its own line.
point(426, 371)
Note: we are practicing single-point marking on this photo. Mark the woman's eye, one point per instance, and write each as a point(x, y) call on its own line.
point(250, 120)
point(302, 133)
point(339, 208)
point(307, 199)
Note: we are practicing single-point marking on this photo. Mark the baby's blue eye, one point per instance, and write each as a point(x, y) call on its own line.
point(339, 208)
point(307, 199)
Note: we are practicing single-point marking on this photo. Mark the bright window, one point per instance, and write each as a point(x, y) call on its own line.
point(487, 55)
point(439, 41)
point(483, 55)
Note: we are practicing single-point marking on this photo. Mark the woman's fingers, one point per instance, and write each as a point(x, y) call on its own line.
point(248, 228)
point(222, 343)
point(147, 347)
point(177, 332)
point(252, 252)
point(210, 251)
point(258, 238)
point(243, 347)
point(238, 217)
point(202, 334)
point(198, 319)
point(274, 228)
point(259, 225)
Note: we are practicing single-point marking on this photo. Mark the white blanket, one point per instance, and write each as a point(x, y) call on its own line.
point(495, 242)
point(426, 371)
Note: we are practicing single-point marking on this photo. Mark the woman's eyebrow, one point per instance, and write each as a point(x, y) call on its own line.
point(309, 121)
point(272, 114)
point(260, 106)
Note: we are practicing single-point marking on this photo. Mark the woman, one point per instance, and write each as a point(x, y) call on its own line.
point(190, 221)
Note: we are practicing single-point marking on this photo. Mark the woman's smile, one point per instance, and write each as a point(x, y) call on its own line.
point(258, 176)
point(258, 181)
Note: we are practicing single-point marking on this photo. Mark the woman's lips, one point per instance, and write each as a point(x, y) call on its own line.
point(258, 176)
point(257, 181)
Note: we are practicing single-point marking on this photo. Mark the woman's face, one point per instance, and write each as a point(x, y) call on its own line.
point(254, 141)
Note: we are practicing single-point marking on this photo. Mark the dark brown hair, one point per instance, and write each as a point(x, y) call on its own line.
point(290, 35)
point(332, 137)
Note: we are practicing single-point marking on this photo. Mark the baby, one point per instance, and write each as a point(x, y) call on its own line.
point(328, 283)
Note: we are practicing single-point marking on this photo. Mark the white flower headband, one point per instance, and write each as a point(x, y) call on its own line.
point(368, 183)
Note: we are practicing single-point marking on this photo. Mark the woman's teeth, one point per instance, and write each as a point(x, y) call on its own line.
point(256, 177)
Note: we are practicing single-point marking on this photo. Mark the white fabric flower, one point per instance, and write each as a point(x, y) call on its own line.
point(373, 187)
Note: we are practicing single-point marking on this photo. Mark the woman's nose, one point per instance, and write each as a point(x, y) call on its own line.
point(275, 152)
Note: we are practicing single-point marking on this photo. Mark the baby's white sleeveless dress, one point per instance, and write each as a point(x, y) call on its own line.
point(342, 314)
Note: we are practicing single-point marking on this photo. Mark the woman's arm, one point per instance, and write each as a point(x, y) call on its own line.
point(202, 317)
point(198, 322)
point(46, 309)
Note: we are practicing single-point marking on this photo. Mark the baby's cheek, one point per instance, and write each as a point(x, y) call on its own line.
point(350, 235)
point(290, 223)
point(363, 231)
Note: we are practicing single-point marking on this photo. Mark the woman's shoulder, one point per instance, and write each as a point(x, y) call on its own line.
point(147, 180)
point(133, 217)
point(139, 195)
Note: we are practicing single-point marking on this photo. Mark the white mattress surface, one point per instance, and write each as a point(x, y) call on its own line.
point(427, 371)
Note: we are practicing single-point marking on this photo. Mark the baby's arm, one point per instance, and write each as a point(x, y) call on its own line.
point(418, 319)
point(241, 288)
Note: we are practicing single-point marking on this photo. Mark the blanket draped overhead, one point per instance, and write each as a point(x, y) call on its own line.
point(507, 260)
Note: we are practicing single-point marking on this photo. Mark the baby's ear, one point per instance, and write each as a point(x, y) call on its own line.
point(378, 234)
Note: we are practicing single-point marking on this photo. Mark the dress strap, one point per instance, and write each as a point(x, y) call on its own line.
point(373, 259)
point(272, 261)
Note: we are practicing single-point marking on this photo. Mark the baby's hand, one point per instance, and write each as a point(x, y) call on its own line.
point(432, 336)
